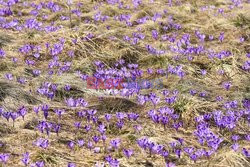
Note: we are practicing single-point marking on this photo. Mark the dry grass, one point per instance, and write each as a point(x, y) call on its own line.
point(19, 139)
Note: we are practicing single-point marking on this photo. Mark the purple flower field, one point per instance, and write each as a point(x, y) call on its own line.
point(196, 53)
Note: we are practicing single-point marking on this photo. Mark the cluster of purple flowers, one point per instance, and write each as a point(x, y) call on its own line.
point(76, 102)
point(43, 143)
point(48, 127)
point(165, 116)
point(112, 161)
point(98, 16)
point(205, 135)
point(21, 112)
point(47, 89)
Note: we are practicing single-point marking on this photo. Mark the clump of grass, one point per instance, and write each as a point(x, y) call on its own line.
point(112, 129)
point(32, 124)
point(6, 130)
point(61, 94)
point(113, 105)
point(16, 92)
point(132, 138)
point(5, 39)
point(242, 21)
point(158, 61)
point(180, 105)
point(47, 157)
point(229, 158)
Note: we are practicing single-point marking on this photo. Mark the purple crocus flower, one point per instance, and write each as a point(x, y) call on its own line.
point(69, 2)
point(2, 53)
point(14, 116)
point(178, 152)
point(97, 149)
point(115, 143)
point(221, 37)
point(114, 163)
point(59, 112)
point(22, 111)
point(120, 115)
point(108, 158)
point(26, 158)
point(170, 3)
point(67, 87)
point(4, 157)
point(77, 125)
point(71, 144)
point(136, 3)
point(164, 154)
point(108, 117)
point(31, 63)
point(14, 59)
point(9, 76)
point(141, 99)
point(220, 10)
point(138, 128)
point(101, 128)
point(36, 109)
point(170, 164)
point(71, 164)
point(247, 137)
point(155, 34)
point(99, 164)
point(87, 127)
point(128, 152)
point(81, 114)
point(6, 115)
point(36, 72)
point(71, 102)
point(39, 164)
point(90, 145)
point(219, 98)
point(227, 85)
point(246, 103)
point(193, 157)
point(242, 39)
point(246, 152)
point(81, 142)
point(133, 116)
point(103, 137)
point(45, 114)
point(235, 146)
point(57, 128)
point(43, 143)
point(203, 72)
point(192, 92)
point(209, 153)
point(202, 94)
point(120, 124)
point(37, 55)
point(155, 100)
point(21, 80)
point(188, 150)
point(164, 121)
point(96, 139)
point(211, 37)
point(235, 138)
point(248, 55)
point(45, 107)
point(1, 111)
point(150, 71)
